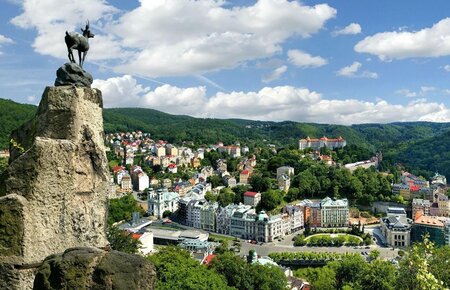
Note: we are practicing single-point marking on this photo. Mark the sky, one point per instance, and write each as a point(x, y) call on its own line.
point(336, 62)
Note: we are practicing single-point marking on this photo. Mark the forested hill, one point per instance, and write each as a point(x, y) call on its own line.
point(422, 144)
point(12, 115)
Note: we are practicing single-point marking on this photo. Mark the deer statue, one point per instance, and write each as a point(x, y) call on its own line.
point(78, 42)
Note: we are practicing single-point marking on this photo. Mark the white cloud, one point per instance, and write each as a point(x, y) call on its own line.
point(447, 67)
point(4, 40)
point(180, 38)
point(304, 60)
point(51, 18)
point(352, 70)
point(275, 74)
point(269, 103)
point(406, 93)
point(428, 42)
point(352, 28)
point(422, 92)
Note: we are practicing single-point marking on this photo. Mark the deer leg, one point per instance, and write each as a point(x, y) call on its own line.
point(84, 55)
point(79, 58)
point(70, 55)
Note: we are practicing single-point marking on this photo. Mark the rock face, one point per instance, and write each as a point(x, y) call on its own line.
point(53, 195)
point(95, 269)
point(73, 74)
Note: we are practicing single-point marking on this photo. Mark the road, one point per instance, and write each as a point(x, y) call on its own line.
point(287, 245)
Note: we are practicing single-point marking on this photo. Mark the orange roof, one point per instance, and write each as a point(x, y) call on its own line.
point(136, 236)
point(208, 259)
point(427, 220)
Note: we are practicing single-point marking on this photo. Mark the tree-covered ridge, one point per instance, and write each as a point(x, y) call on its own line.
point(419, 145)
point(12, 115)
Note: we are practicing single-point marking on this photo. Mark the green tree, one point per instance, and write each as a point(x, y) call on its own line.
point(225, 197)
point(209, 196)
point(267, 277)
point(259, 183)
point(378, 275)
point(235, 270)
point(122, 209)
point(415, 271)
point(270, 200)
point(176, 269)
point(440, 264)
point(166, 213)
point(122, 241)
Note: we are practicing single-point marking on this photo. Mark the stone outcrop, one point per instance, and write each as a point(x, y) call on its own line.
point(88, 268)
point(53, 195)
point(73, 74)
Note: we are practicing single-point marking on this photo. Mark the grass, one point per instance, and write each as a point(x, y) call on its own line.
point(329, 235)
point(221, 238)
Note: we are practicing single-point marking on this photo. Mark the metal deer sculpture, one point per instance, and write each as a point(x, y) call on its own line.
point(78, 42)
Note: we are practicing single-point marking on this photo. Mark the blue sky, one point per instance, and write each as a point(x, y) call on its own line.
point(342, 62)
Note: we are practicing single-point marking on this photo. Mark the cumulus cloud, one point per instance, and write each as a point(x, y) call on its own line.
point(352, 28)
point(447, 67)
point(177, 37)
point(270, 103)
point(428, 42)
point(352, 71)
point(304, 60)
point(275, 74)
point(4, 40)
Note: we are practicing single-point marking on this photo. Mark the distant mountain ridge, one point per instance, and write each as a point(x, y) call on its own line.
point(412, 143)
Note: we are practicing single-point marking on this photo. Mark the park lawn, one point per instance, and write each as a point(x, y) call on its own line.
point(347, 236)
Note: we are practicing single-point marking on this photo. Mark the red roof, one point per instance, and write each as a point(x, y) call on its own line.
point(245, 172)
point(118, 168)
point(208, 259)
point(171, 165)
point(250, 193)
point(136, 236)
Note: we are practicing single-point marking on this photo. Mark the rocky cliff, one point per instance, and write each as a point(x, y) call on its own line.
point(53, 196)
point(95, 269)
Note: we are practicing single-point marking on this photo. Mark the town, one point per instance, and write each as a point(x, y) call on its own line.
point(218, 190)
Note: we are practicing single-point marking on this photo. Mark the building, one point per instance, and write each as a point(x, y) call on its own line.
point(366, 164)
point(233, 151)
point(334, 213)
point(146, 240)
point(434, 227)
point(208, 216)
point(161, 200)
point(439, 180)
point(172, 168)
point(252, 198)
point(402, 189)
point(395, 211)
point(223, 219)
point(126, 184)
point(284, 182)
point(316, 144)
point(420, 207)
point(296, 220)
point(244, 176)
point(285, 170)
point(396, 230)
point(311, 212)
point(139, 178)
point(230, 181)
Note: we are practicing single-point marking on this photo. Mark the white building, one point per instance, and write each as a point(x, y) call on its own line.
point(334, 213)
point(396, 230)
point(287, 170)
point(252, 198)
point(223, 219)
point(162, 200)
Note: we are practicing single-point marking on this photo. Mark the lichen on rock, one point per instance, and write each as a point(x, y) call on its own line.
point(89, 268)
